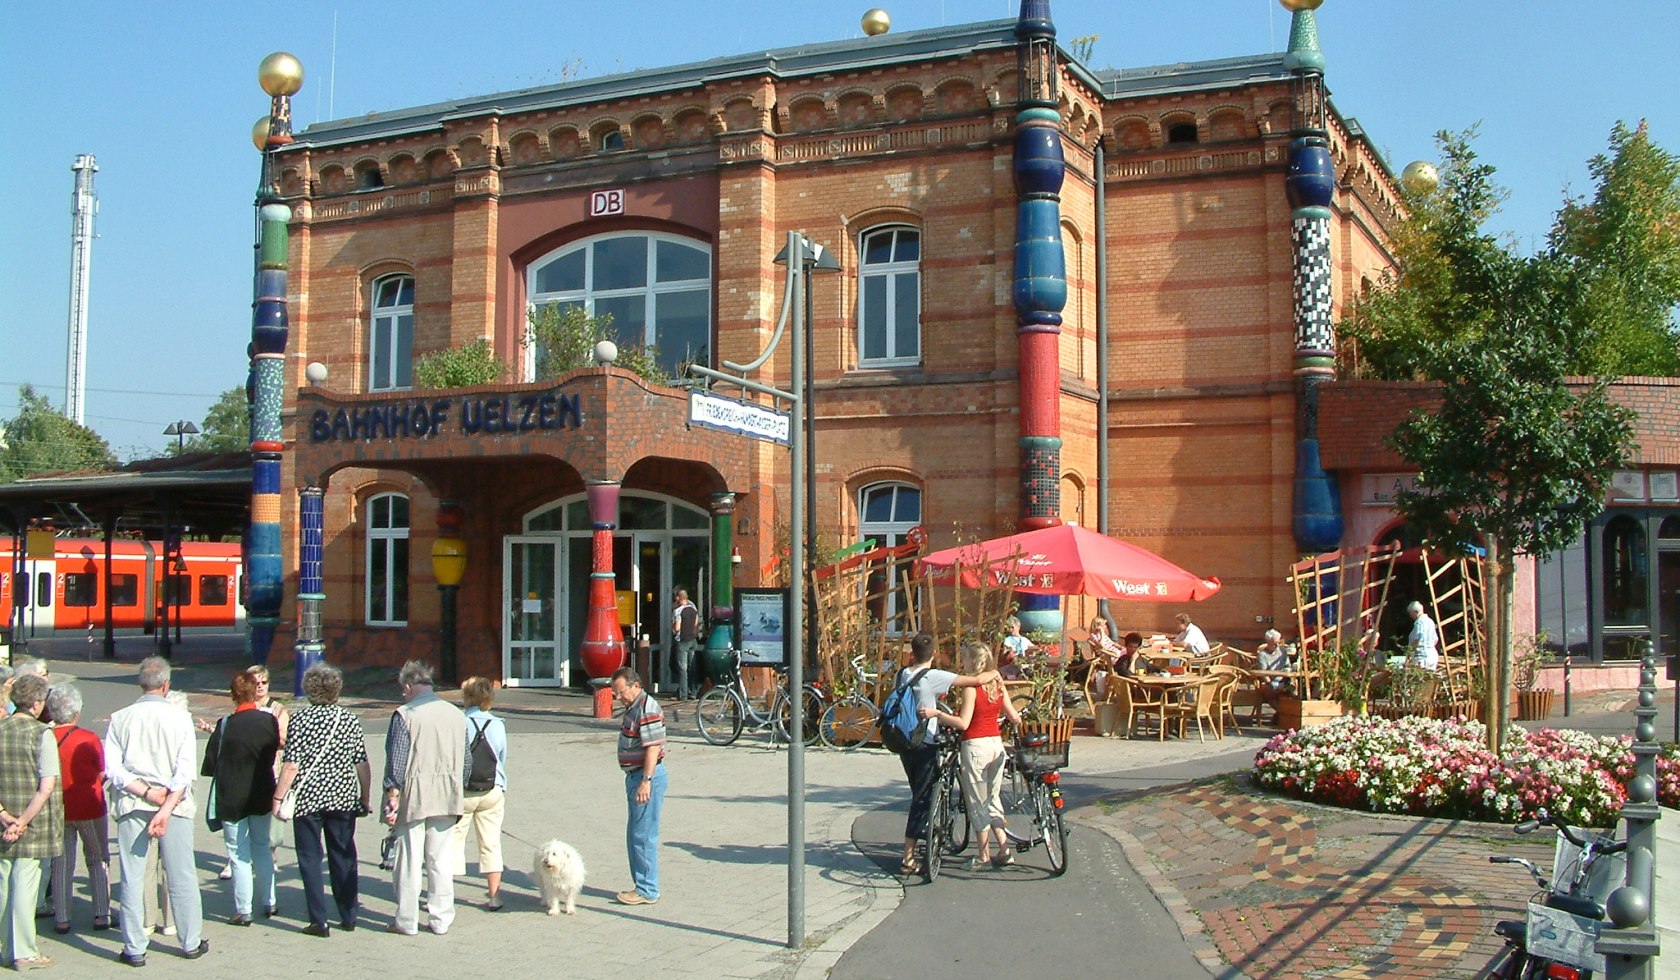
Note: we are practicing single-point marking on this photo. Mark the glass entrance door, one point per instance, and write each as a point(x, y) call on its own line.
point(534, 645)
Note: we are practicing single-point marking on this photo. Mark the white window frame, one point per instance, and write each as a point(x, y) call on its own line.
point(390, 317)
point(891, 532)
point(891, 272)
point(651, 290)
point(382, 540)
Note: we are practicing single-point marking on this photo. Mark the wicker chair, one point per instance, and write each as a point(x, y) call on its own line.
point(1202, 707)
point(1234, 682)
point(1146, 701)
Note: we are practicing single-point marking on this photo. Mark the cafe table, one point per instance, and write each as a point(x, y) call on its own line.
point(1171, 687)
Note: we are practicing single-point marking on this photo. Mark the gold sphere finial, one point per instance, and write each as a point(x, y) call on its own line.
point(280, 74)
point(259, 132)
point(876, 22)
point(1297, 5)
point(1420, 178)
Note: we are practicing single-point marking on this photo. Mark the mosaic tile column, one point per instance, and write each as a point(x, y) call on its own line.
point(1311, 185)
point(720, 666)
point(1040, 287)
point(311, 593)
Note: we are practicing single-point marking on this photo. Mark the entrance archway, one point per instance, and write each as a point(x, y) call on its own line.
point(662, 544)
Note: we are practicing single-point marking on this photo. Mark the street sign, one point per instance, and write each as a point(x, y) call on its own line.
point(739, 417)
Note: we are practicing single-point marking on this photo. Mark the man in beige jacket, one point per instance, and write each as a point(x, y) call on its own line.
point(425, 770)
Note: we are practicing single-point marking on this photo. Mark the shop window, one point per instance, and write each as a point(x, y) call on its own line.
point(887, 512)
point(391, 334)
point(125, 590)
point(657, 289)
point(81, 589)
point(890, 297)
point(213, 590)
point(1560, 598)
point(387, 560)
point(1625, 576)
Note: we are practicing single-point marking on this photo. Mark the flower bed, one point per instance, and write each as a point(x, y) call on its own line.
point(1442, 768)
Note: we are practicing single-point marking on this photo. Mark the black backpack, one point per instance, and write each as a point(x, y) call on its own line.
point(482, 778)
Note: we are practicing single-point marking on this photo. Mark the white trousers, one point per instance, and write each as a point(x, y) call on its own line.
point(425, 847)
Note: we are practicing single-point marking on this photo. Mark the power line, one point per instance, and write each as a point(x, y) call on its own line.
point(116, 391)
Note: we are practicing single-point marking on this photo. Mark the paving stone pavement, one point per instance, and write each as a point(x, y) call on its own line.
point(1274, 889)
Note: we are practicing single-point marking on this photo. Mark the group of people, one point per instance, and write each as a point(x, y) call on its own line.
point(444, 777)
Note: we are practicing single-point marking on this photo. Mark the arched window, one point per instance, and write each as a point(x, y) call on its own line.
point(890, 297)
point(1182, 132)
point(887, 512)
point(387, 560)
point(657, 289)
point(1625, 582)
point(391, 334)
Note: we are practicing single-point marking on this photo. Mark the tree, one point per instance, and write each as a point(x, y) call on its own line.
point(226, 427)
point(40, 440)
point(1513, 456)
point(1609, 277)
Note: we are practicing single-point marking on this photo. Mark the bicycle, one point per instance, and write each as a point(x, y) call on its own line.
point(945, 808)
point(723, 711)
point(1565, 917)
point(851, 721)
point(1032, 794)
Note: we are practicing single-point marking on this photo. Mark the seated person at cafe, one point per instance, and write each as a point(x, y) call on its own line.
point(1273, 654)
point(1102, 651)
point(1126, 662)
point(1190, 636)
point(1013, 647)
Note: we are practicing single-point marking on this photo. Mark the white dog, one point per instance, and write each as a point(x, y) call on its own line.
point(559, 873)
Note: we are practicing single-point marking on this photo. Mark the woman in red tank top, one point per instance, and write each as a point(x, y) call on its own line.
point(981, 754)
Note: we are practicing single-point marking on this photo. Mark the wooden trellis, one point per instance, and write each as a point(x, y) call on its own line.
point(1458, 604)
point(1339, 595)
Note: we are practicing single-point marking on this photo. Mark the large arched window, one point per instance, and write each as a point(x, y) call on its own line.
point(1625, 570)
point(657, 289)
point(391, 334)
point(887, 512)
point(890, 297)
point(387, 560)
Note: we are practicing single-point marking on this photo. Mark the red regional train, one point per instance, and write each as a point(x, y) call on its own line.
point(65, 594)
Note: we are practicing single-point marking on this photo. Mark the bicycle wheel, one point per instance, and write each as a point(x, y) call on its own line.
point(1051, 828)
point(1017, 799)
point(939, 816)
point(815, 706)
point(718, 714)
point(957, 824)
point(849, 722)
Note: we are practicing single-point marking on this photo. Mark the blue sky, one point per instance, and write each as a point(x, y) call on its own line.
point(164, 95)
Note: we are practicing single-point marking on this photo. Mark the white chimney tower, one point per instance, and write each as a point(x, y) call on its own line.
point(83, 206)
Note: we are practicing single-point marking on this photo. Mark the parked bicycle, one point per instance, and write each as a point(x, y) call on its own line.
point(726, 709)
point(1565, 917)
point(948, 825)
point(1032, 798)
point(852, 720)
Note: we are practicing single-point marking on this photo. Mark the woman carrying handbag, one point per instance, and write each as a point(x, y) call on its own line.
point(240, 762)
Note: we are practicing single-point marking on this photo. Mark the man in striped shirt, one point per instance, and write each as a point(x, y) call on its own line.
point(641, 754)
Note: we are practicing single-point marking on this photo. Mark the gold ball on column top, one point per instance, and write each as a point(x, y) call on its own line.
point(876, 22)
point(1420, 178)
point(280, 74)
point(1294, 5)
point(259, 132)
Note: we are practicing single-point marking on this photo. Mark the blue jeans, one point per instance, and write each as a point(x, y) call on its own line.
point(247, 847)
point(641, 835)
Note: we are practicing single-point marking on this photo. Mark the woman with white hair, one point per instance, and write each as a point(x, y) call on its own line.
point(81, 763)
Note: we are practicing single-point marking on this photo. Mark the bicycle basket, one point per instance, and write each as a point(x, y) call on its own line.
point(1041, 756)
point(1564, 938)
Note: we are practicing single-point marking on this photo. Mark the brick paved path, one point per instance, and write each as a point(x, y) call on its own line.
point(1280, 889)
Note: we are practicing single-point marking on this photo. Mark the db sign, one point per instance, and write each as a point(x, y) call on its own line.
point(606, 202)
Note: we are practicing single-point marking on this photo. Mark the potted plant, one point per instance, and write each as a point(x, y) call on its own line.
point(1045, 683)
point(1344, 677)
point(1528, 655)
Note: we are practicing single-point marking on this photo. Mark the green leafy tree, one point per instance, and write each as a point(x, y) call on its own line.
point(226, 427)
point(38, 439)
point(1512, 457)
point(460, 367)
point(1608, 281)
point(565, 339)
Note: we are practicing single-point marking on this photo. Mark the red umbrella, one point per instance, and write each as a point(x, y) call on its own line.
point(1070, 560)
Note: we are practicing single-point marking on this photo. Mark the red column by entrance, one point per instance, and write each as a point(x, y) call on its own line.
point(602, 649)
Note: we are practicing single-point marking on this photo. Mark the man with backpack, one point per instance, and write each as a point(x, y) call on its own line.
point(685, 640)
point(486, 786)
point(916, 739)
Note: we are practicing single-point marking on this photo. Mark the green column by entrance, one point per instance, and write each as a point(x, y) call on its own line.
point(720, 665)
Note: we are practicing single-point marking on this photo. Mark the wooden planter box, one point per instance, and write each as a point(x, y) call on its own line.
point(1535, 705)
point(1295, 713)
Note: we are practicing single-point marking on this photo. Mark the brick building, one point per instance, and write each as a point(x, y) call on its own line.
point(663, 196)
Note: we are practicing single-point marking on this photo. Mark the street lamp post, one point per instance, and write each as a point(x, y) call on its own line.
point(181, 429)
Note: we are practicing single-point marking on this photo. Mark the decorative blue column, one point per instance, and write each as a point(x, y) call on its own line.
point(1040, 287)
point(1311, 185)
point(311, 595)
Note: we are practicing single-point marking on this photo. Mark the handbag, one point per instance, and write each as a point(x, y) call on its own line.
point(288, 801)
point(211, 753)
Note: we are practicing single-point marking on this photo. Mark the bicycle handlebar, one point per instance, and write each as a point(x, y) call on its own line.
point(1543, 817)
